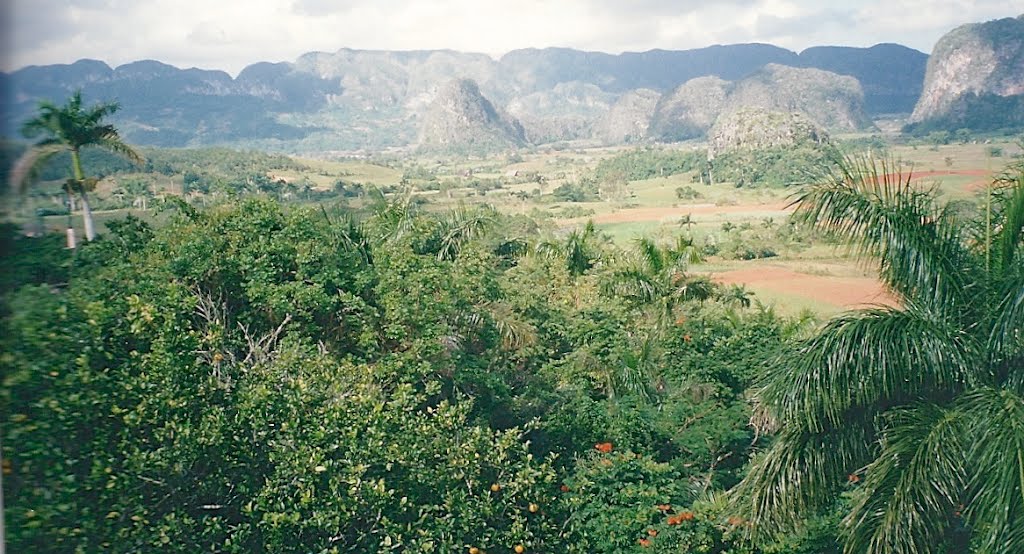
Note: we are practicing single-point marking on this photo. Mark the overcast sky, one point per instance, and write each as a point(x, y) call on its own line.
point(230, 34)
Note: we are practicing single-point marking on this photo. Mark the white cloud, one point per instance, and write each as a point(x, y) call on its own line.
point(229, 34)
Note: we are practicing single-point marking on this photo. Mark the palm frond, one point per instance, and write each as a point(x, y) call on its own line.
point(45, 122)
point(461, 225)
point(515, 332)
point(687, 251)
point(392, 218)
point(995, 507)
point(866, 359)
point(801, 472)
point(650, 255)
point(633, 284)
point(912, 489)
point(697, 288)
point(1009, 236)
point(28, 166)
point(114, 144)
point(874, 208)
point(352, 234)
point(1007, 336)
point(636, 371)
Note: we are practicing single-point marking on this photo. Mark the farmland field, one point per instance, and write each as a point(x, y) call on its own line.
point(801, 276)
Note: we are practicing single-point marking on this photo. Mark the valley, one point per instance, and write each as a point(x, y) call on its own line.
point(736, 299)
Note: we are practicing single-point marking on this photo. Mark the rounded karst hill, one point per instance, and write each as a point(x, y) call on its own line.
point(690, 110)
point(833, 101)
point(759, 128)
point(460, 118)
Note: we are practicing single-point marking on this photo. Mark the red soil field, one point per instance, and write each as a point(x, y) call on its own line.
point(845, 292)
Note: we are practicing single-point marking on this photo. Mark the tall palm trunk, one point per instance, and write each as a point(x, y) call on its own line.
point(90, 229)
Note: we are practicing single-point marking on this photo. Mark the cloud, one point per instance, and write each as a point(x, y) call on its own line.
point(230, 34)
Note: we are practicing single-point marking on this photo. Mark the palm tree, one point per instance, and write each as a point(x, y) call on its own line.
point(139, 190)
point(918, 408)
point(579, 250)
point(69, 128)
point(736, 295)
point(654, 275)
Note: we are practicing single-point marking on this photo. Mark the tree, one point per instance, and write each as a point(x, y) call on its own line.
point(139, 190)
point(69, 128)
point(655, 275)
point(917, 408)
point(578, 250)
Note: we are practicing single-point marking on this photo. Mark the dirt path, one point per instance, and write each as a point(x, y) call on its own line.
point(846, 292)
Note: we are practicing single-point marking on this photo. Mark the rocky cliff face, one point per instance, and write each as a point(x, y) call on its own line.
point(977, 59)
point(460, 118)
point(690, 110)
point(627, 121)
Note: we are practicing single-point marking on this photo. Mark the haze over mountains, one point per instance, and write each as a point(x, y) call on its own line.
point(443, 99)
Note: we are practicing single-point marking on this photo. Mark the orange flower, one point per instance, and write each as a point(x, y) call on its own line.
point(681, 320)
point(687, 338)
point(664, 507)
point(652, 533)
point(735, 521)
point(604, 447)
point(674, 520)
point(644, 542)
point(686, 516)
point(564, 488)
point(853, 478)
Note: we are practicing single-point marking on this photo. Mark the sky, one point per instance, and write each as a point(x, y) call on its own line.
point(230, 34)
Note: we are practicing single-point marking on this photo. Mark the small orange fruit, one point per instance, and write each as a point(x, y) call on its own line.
point(519, 549)
point(495, 487)
point(533, 508)
point(474, 550)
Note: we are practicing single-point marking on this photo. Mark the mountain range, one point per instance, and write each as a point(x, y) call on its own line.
point(373, 100)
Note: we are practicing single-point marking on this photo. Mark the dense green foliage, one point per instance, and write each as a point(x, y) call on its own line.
point(644, 163)
point(265, 376)
point(780, 166)
point(252, 378)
